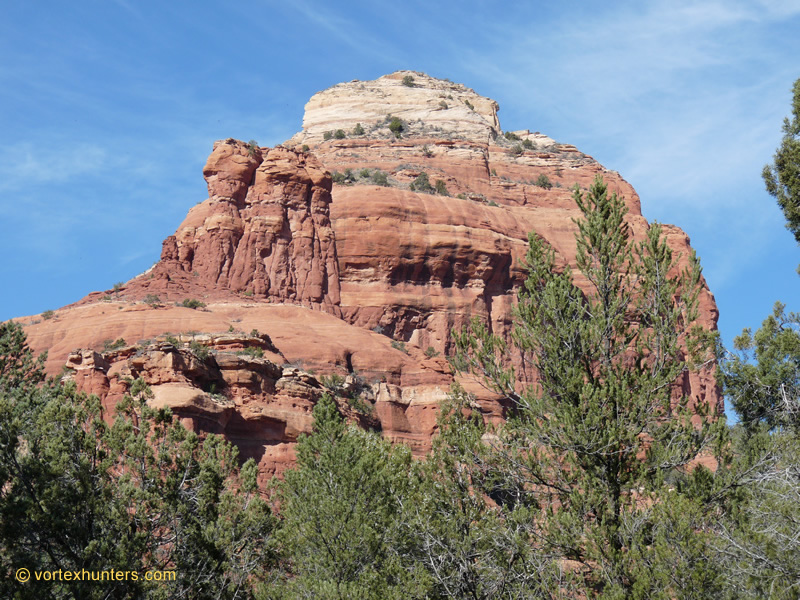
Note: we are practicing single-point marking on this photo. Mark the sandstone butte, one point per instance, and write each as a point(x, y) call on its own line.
point(325, 275)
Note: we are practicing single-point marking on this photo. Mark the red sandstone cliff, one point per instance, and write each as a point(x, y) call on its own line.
point(364, 278)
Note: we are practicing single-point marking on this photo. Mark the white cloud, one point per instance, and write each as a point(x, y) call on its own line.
point(347, 31)
point(680, 96)
point(685, 99)
point(26, 164)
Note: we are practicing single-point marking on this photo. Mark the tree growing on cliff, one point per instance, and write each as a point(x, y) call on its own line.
point(597, 435)
point(782, 177)
point(421, 184)
point(397, 127)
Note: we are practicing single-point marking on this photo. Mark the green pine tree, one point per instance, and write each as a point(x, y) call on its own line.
point(57, 509)
point(141, 494)
point(782, 177)
point(476, 531)
point(343, 531)
point(759, 546)
point(761, 380)
point(600, 431)
point(199, 512)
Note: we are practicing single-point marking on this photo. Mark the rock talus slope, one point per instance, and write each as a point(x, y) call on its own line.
point(397, 213)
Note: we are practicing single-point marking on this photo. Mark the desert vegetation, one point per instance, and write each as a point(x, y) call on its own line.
point(362, 177)
point(396, 126)
point(193, 303)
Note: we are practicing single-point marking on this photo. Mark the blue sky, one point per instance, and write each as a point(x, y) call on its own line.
point(109, 109)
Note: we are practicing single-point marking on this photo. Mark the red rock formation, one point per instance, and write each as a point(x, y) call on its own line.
point(353, 278)
point(255, 403)
point(264, 233)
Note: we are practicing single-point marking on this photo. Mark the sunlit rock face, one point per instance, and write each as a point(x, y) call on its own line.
point(355, 248)
point(422, 102)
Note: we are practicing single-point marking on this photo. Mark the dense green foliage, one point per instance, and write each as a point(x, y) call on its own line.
point(421, 183)
point(346, 178)
point(140, 494)
point(396, 126)
point(361, 519)
point(600, 432)
point(380, 178)
point(764, 392)
point(476, 536)
point(761, 546)
point(343, 530)
point(782, 177)
point(193, 303)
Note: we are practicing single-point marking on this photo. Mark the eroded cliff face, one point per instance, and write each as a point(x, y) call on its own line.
point(228, 384)
point(334, 246)
point(264, 233)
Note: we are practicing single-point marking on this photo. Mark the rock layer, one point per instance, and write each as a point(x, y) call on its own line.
point(233, 385)
point(263, 233)
point(421, 102)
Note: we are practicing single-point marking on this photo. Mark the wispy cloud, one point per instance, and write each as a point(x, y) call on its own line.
point(24, 165)
point(684, 98)
point(128, 7)
point(349, 31)
point(659, 88)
